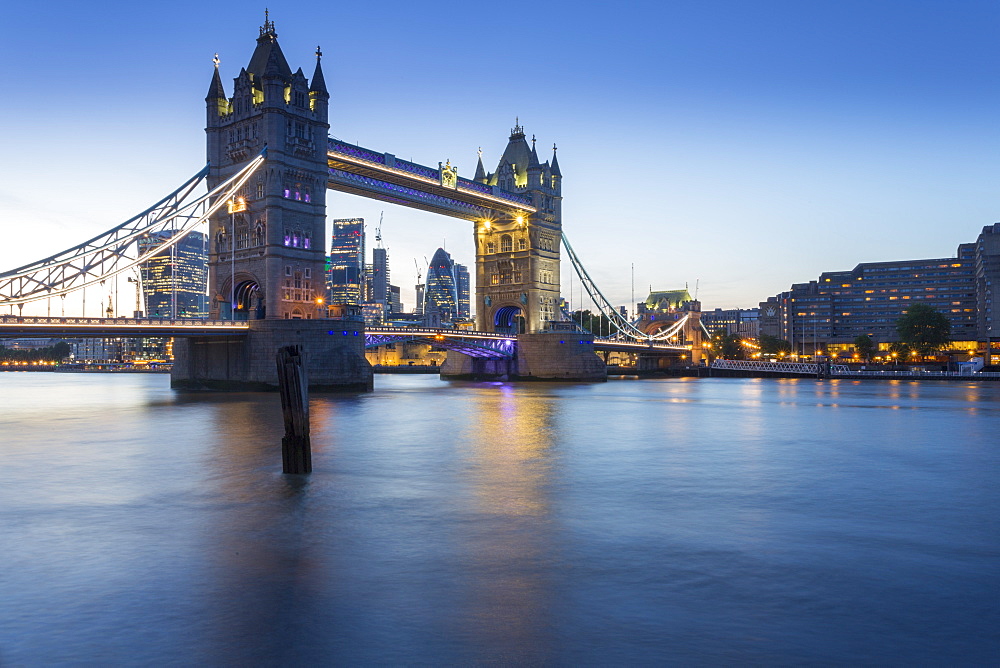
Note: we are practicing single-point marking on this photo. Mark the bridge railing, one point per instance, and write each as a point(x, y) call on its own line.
point(779, 367)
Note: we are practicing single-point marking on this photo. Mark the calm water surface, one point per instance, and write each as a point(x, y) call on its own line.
point(677, 522)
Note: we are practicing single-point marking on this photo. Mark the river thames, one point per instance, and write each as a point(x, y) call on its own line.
point(636, 522)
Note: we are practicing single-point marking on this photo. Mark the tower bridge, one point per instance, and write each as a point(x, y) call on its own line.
point(271, 160)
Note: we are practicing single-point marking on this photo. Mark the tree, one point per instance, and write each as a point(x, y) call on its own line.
point(924, 329)
point(772, 345)
point(727, 346)
point(864, 346)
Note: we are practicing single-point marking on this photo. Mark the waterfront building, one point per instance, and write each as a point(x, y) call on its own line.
point(828, 313)
point(175, 279)
point(987, 273)
point(345, 268)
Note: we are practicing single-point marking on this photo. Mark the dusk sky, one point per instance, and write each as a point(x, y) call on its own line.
point(743, 146)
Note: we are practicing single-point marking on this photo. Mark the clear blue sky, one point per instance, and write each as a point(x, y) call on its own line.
point(744, 145)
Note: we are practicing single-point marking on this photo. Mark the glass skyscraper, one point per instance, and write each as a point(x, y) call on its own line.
point(441, 294)
point(462, 287)
point(175, 280)
point(346, 268)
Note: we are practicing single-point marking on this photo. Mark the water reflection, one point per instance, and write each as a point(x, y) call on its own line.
point(509, 592)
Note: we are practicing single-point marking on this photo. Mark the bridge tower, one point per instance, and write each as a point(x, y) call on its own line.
point(517, 258)
point(266, 257)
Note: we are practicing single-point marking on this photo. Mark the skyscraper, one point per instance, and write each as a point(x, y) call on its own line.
point(174, 280)
point(345, 270)
point(462, 287)
point(441, 295)
point(380, 277)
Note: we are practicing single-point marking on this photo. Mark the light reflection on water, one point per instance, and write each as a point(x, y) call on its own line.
point(634, 522)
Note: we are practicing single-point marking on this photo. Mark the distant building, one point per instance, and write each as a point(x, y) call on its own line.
point(395, 301)
point(345, 269)
point(462, 287)
point(743, 322)
point(663, 309)
point(418, 308)
point(441, 294)
point(175, 280)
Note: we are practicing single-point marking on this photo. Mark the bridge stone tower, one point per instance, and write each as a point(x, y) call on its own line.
point(267, 261)
point(517, 258)
point(266, 258)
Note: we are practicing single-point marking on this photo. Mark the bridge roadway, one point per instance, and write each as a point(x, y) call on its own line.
point(477, 344)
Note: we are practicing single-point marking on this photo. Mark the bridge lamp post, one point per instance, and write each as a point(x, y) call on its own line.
point(319, 306)
point(235, 205)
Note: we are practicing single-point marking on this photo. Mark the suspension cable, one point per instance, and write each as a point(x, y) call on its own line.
point(108, 254)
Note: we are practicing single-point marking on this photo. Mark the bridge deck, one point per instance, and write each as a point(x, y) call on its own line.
point(17, 326)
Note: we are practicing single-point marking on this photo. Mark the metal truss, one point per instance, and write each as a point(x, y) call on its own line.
point(117, 250)
point(778, 367)
point(490, 348)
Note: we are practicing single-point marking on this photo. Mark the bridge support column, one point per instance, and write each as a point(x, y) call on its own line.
point(565, 356)
point(333, 353)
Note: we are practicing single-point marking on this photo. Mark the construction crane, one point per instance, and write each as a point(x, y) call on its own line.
point(378, 230)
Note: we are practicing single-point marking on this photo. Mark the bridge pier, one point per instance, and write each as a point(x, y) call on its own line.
point(333, 353)
point(566, 356)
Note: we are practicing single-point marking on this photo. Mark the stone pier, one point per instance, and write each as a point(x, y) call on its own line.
point(566, 356)
point(333, 353)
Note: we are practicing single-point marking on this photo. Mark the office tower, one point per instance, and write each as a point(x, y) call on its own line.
point(462, 288)
point(380, 277)
point(441, 295)
point(174, 280)
point(395, 301)
point(345, 272)
point(418, 308)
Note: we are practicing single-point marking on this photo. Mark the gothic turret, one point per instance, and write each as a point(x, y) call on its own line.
point(217, 104)
point(480, 170)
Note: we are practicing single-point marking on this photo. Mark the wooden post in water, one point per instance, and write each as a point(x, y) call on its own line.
point(296, 454)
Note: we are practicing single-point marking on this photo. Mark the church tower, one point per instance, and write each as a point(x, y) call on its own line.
point(517, 259)
point(266, 249)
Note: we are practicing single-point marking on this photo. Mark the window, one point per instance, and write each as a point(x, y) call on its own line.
point(491, 247)
point(522, 244)
point(506, 244)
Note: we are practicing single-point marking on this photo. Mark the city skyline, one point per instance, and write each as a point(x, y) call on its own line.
point(719, 146)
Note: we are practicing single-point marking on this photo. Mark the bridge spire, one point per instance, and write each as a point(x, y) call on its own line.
point(318, 84)
point(480, 170)
point(267, 30)
point(555, 163)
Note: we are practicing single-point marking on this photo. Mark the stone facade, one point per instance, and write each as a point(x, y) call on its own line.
point(517, 257)
point(278, 240)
